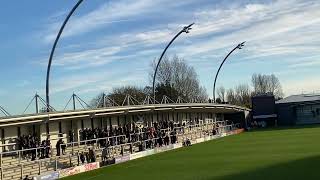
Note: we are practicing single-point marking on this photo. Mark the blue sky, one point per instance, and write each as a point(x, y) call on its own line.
point(112, 43)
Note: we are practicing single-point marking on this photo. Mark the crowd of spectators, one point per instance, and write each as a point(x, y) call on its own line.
point(40, 149)
point(60, 146)
point(87, 157)
point(127, 134)
point(159, 134)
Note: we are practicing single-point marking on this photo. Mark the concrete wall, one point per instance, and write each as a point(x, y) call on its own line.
point(54, 132)
point(10, 134)
point(308, 114)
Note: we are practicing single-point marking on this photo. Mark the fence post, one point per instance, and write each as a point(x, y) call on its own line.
point(78, 155)
point(51, 150)
point(39, 167)
point(70, 160)
point(21, 171)
point(122, 150)
point(1, 173)
point(1, 160)
point(19, 155)
point(56, 164)
point(37, 154)
point(72, 151)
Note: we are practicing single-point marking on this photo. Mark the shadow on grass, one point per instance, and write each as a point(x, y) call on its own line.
point(303, 169)
point(285, 128)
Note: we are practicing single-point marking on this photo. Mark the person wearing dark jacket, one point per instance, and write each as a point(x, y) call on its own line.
point(82, 158)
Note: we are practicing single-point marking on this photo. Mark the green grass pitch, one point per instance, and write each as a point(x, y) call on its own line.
point(292, 153)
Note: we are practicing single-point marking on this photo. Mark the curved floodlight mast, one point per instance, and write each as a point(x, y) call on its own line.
point(185, 29)
point(53, 50)
point(239, 46)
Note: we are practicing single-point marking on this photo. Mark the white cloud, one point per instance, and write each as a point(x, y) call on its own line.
point(277, 28)
point(305, 62)
point(273, 28)
point(98, 81)
point(111, 12)
point(302, 85)
point(269, 29)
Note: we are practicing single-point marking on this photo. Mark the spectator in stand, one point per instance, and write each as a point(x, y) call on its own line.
point(63, 147)
point(187, 142)
point(214, 132)
point(105, 153)
point(71, 136)
point(28, 142)
point(92, 155)
point(48, 147)
point(82, 158)
point(27, 178)
point(87, 157)
point(160, 141)
point(58, 146)
point(166, 140)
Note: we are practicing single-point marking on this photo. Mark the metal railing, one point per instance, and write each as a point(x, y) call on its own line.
point(116, 138)
point(195, 132)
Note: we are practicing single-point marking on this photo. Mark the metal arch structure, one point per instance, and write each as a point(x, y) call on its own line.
point(4, 112)
point(239, 46)
point(53, 50)
point(185, 29)
point(74, 99)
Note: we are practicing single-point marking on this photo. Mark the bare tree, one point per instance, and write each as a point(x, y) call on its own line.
point(266, 84)
point(119, 94)
point(221, 91)
point(97, 101)
point(231, 98)
point(177, 74)
point(243, 95)
point(240, 95)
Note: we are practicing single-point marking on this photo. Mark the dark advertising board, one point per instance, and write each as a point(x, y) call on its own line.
point(263, 106)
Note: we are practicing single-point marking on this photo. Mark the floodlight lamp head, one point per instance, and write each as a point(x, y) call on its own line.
point(240, 45)
point(187, 29)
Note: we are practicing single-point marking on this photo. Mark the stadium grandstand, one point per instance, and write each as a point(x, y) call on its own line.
point(37, 144)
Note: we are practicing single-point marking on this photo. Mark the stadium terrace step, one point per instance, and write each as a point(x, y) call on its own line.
point(11, 176)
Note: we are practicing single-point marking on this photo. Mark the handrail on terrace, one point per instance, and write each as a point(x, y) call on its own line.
point(108, 138)
point(97, 139)
point(121, 145)
point(22, 150)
